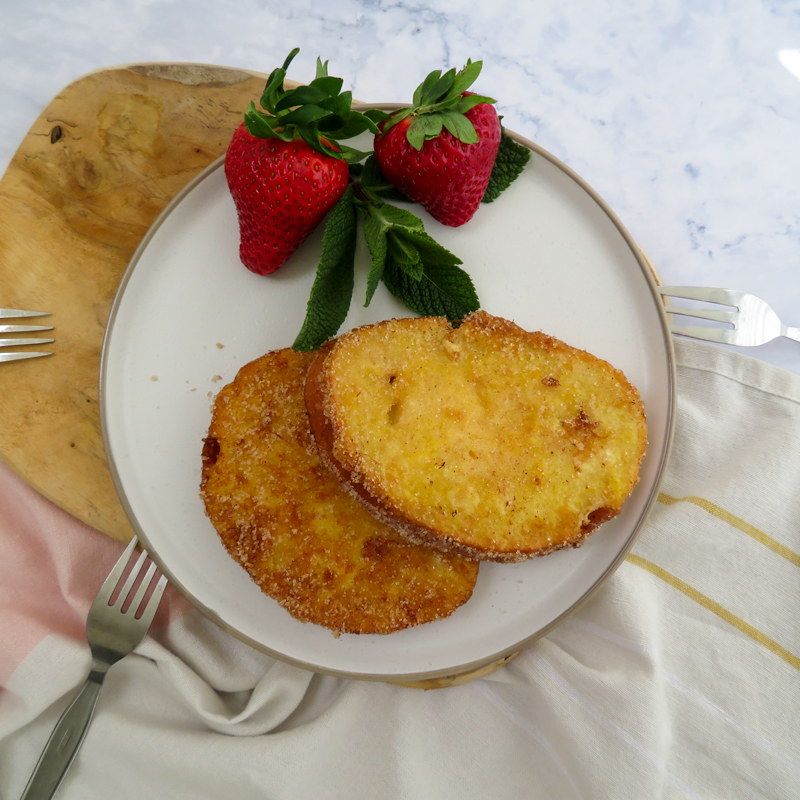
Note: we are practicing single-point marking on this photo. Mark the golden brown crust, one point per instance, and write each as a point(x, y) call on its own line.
point(323, 433)
point(284, 517)
point(489, 442)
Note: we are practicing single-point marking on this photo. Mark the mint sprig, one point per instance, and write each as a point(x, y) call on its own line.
point(319, 114)
point(330, 296)
point(379, 219)
point(415, 268)
point(397, 241)
point(511, 160)
point(442, 291)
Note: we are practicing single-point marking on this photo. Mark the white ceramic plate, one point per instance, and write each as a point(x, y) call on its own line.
point(548, 254)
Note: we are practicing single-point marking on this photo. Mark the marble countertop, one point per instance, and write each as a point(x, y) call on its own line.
point(683, 115)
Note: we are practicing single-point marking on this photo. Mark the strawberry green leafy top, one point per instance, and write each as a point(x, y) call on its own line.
point(440, 102)
point(319, 113)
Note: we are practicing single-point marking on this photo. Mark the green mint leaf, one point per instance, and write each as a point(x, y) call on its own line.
point(375, 236)
point(322, 69)
point(459, 126)
point(371, 175)
point(430, 251)
point(442, 291)
point(403, 253)
point(422, 273)
point(511, 160)
point(332, 291)
point(392, 215)
point(380, 219)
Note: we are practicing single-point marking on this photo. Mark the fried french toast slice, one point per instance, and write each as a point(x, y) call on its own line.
point(485, 440)
point(284, 517)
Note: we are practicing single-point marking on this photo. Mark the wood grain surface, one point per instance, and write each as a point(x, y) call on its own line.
point(93, 173)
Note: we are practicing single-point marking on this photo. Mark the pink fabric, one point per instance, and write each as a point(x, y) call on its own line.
point(51, 568)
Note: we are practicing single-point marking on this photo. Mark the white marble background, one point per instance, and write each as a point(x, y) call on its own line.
point(683, 114)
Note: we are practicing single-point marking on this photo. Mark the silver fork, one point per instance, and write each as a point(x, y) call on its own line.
point(12, 313)
point(753, 321)
point(113, 631)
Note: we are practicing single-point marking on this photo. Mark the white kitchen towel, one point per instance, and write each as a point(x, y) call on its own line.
point(679, 678)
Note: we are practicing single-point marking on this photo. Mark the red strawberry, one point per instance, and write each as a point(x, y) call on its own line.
point(286, 168)
point(447, 177)
point(441, 152)
point(282, 190)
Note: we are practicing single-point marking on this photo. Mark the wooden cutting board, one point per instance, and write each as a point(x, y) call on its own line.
point(95, 170)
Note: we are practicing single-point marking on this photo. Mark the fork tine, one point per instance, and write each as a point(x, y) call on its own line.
point(131, 579)
point(710, 334)
point(154, 602)
point(142, 590)
point(20, 342)
point(110, 583)
point(708, 294)
point(24, 328)
point(704, 313)
point(20, 356)
point(10, 313)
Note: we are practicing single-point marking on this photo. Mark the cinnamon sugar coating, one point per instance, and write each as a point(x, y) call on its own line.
point(486, 441)
point(284, 517)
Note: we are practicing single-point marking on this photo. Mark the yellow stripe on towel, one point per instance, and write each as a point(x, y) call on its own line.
point(716, 608)
point(736, 522)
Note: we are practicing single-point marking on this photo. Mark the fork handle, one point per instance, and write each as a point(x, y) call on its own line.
point(791, 333)
point(64, 741)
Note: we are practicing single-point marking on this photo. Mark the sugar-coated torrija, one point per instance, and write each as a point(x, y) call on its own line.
point(485, 440)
